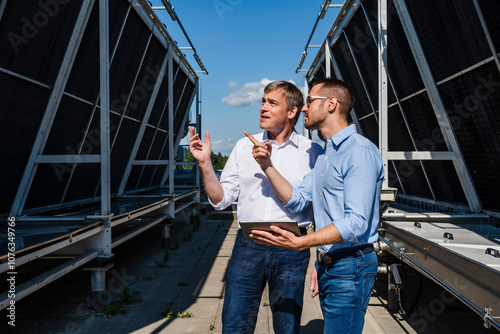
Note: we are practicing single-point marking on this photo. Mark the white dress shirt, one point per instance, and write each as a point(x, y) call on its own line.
point(243, 179)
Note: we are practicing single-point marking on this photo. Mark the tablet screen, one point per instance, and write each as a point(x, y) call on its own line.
point(248, 226)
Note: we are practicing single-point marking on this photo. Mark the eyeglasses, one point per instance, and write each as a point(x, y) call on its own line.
point(311, 99)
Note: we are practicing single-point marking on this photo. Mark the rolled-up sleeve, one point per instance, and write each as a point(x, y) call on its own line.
point(230, 183)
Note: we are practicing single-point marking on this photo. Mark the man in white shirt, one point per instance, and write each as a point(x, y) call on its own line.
point(253, 264)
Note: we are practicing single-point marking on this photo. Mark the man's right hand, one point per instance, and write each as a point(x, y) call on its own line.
point(199, 149)
point(260, 151)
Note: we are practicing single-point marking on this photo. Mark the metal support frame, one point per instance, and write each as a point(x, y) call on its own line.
point(105, 240)
point(170, 169)
point(132, 87)
point(438, 107)
point(328, 59)
point(52, 107)
point(383, 122)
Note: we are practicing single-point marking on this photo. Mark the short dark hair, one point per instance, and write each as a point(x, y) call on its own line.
point(293, 95)
point(339, 89)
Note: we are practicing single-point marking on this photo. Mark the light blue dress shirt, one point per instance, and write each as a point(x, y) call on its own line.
point(344, 188)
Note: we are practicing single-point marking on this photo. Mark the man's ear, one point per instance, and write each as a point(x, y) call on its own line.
point(292, 112)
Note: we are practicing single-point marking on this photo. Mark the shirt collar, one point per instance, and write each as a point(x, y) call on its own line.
point(294, 138)
point(338, 138)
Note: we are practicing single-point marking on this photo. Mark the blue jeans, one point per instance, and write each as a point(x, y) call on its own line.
point(345, 287)
point(253, 264)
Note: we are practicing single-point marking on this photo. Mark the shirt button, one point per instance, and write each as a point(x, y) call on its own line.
point(321, 175)
point(320, 194)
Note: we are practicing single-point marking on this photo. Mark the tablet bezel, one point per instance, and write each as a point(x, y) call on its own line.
point(248, 226)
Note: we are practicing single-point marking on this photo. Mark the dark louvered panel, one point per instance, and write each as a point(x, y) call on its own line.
point(122, 149)
point(124, 67)
point(490, 10)
point(369, 126)
point(84, 183)
point(413, 178)
point(399, 138)
point(472, 101)
point(160, 107)
point(48, 185)
point(145, 146)
point(445, 182)
point(19, 100)
point(392, 177)
point(402, 68)
point(450, 33)
point(84, 79)
point(365, 52)
point(27, 37)
point(146, 80)
point(69, 128)
point(423, 123)
point(351, 76)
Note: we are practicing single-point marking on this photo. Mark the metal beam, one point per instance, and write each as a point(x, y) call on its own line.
point(52, 106)
point(150, 162)
point(170, 167)
point(383, 123)
point(104, 104)
point(70, 158)
point(421, 155)
point(438, 106)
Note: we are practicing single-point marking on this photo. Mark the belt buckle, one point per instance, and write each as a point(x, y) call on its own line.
point(324, 258)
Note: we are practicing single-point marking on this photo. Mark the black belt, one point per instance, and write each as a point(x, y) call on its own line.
point(344, 253)
point(303, 230)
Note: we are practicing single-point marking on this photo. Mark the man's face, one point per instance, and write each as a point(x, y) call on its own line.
point(316, 110)
point(273, 113)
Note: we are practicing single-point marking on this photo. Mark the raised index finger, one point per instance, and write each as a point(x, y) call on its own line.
point(252, 139)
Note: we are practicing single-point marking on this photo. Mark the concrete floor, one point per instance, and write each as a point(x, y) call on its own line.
point(192, 280)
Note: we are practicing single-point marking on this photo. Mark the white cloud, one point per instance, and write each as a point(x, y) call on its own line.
point(232, 84)
point(224, 146)
point(250, 94)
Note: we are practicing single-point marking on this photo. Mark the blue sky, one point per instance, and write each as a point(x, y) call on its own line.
point(244, 44)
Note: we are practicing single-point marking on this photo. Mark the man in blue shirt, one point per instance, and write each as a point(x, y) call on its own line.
point(344, 187)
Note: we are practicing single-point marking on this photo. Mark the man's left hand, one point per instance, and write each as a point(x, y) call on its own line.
point(279, 237)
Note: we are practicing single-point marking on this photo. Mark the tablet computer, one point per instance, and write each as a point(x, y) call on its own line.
point(248, 226)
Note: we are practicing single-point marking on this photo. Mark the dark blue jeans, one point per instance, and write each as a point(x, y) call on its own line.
point(345, 287)
point(251, 266)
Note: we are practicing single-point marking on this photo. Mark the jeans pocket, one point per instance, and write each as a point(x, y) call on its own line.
point(368, 281)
